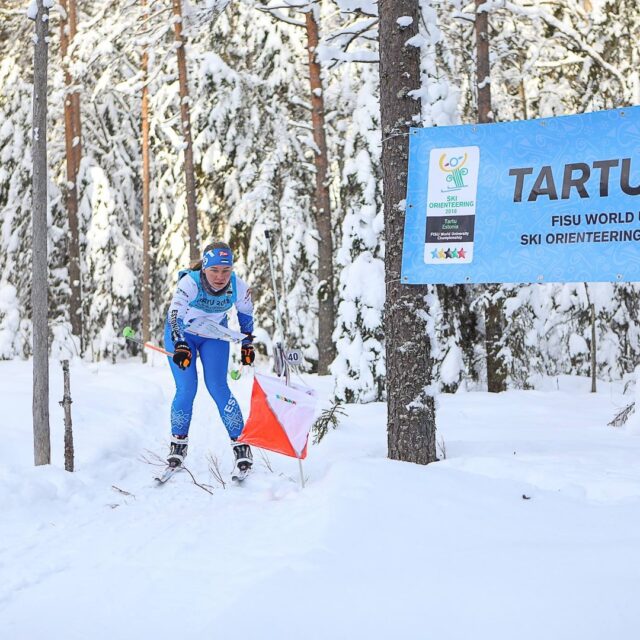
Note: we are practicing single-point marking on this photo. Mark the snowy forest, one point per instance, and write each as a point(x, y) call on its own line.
point(452, 461)
point(255, 159)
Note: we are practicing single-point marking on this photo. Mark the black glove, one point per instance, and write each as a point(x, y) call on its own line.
point(247, 354)
point(182, 354)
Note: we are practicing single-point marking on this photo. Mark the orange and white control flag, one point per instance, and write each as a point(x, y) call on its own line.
point(281, 416)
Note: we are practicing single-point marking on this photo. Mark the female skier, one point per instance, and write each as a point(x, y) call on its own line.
point(208, 288)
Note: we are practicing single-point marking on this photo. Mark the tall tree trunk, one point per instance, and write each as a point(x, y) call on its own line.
point(494, 313)
point(483, 68)
point(411, 427)
point(68, 28)
point(75, 96)
point(185, 117)
point(494, 330)
point(326, 309)
point(39, 272)
point(146, 244)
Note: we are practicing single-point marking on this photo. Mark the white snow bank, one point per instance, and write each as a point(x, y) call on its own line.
point(528, 529)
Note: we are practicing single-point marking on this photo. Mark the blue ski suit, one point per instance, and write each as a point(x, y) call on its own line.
point(193, 298)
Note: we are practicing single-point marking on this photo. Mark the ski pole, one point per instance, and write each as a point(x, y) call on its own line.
point(130, 334)
point(280, 363)
point(267, 234)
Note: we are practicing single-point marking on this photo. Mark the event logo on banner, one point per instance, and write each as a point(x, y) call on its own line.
point(553, 200)
point(451, 204)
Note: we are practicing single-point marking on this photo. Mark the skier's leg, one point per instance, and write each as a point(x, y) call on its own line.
point(186, 386)
point(215, 360)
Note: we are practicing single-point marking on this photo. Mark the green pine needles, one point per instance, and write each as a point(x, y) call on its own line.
point(328, 418)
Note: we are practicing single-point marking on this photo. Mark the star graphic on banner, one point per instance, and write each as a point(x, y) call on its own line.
point(454, 253)
point(441, 254)
point(461, 253)
point(447, 253)
point(434, 254)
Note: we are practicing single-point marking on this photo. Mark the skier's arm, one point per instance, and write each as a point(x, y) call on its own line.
point(186, 291)
point(244, 307)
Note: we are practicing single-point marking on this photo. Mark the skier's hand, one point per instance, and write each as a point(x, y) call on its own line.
point(247, 354)
point(182, 354)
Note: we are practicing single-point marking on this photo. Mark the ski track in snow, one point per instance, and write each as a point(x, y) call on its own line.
point(529, 528)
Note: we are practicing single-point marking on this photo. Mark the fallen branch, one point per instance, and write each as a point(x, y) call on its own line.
point(152, 458)
point(122, 491)
point(623, 415)
point(216, 472)
point(205, 487)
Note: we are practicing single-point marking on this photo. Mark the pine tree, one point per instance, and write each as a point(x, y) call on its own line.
point(73, 152)
point(109, 209)
point(322, 202)
point(353, 92)
point(15, 210)
point(146, 191)
point(254, 154)
point(411, 409)
point(185, 126)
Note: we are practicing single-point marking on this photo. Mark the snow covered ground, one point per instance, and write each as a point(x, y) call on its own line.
point(529, 529)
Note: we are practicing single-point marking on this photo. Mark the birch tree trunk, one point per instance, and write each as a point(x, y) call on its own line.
point(39, 272)
point(146, 176)
point(68, 28)
point(326, 309)
point(185, 117)
point(494, 313)
point(411, 410)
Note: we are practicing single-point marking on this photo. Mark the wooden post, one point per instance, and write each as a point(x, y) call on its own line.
point(68, 428)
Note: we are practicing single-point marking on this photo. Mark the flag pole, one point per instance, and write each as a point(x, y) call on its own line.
point(281, 365)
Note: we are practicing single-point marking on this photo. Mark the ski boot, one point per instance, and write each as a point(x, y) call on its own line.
point(178, 451)
point(244, 461)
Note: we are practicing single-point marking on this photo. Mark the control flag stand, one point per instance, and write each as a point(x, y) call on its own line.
point(282, 413)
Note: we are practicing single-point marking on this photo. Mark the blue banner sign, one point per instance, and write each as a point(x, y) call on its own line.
point(552, 200)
